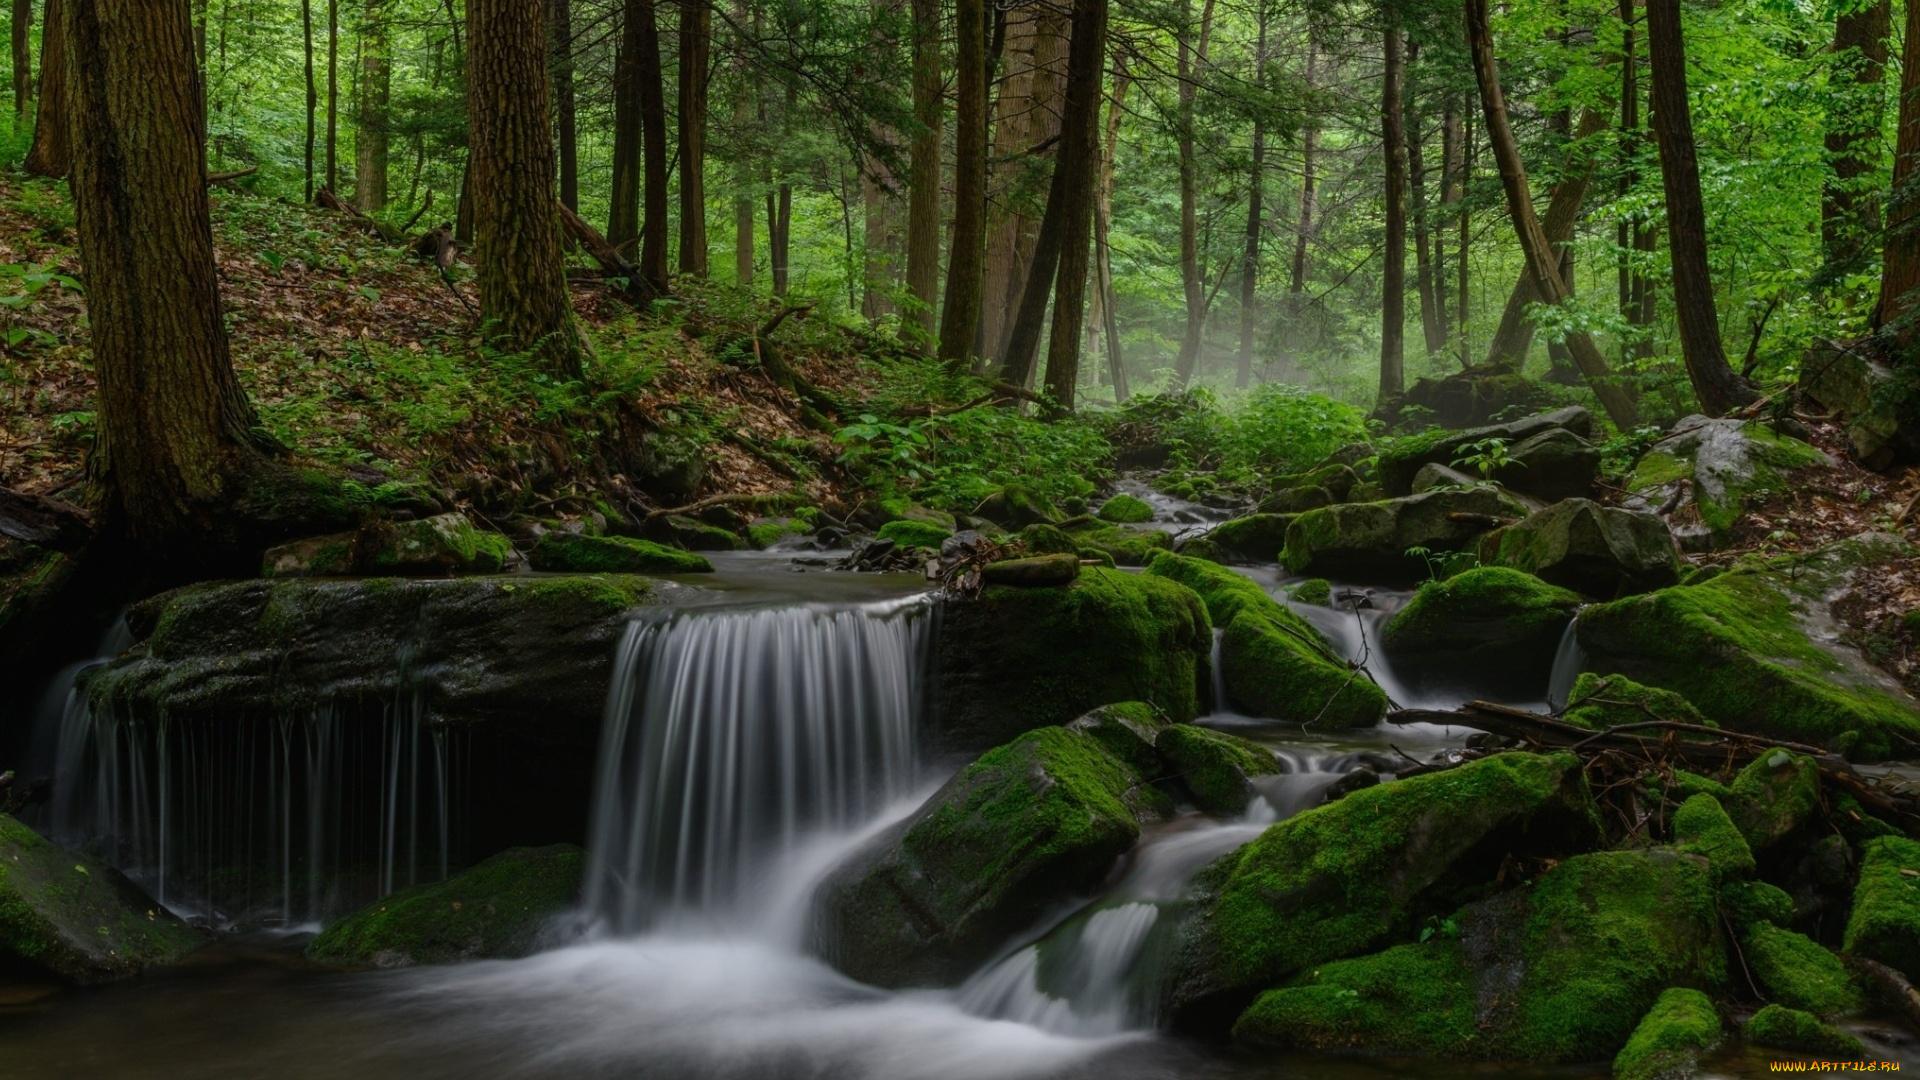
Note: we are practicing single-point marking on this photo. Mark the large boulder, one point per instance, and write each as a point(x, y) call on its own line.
point(1215, 768)
point(504, 908)
point(425, 547)
point(1710, 472)
point(1597, 550)
point(1562, 970)
point(1555, 464)
point(77, 918)
point(1016, 508)
point(1020, 658)
point(1485, 623)
point(1474, 396)
point(1885, 922)
point(1751, 649)
point(1882, 418)
point(1273, 663)
point(1351, 875)
point(1254, 538)
point(578, 553)
point(1682, 1025)
point(1401, 460)
point(1026, 826)
point(1371, 541)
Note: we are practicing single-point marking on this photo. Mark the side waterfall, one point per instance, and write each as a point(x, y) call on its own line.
point(732, 736)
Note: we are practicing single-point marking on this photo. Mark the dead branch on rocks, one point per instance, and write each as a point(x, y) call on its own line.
point(49, 523)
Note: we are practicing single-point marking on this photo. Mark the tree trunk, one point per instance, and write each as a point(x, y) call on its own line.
point(1103, 264)
point(1849, 207)
point(1256, 216)
point(48, 155)
point(1433, 320)
point(780, 234)
point(22, 58)
point(743, 109)
point(1631, 232)
point(1306, 213)
point(1515, 335)
point(566, 125)
point(1450, 193)
point(370, 134)
point(333, 95)
point(313, 94)
point(518, 265)
point(960, 315)
point(1075, 178)
point(175, 442)
point(1029, 118)
point(1542, 260)
point(1190, 65)
point(696, 45)
point(623, 213)
point(1393, 278)
point(1719, 389)
point(1900, 259)
point(1464, 241)
point(923, 180)
point(743, 241)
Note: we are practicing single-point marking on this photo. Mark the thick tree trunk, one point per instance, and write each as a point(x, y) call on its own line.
point(653, 131)
point(175, 442)
point(1433, 320)
point(370, 128)
point(1102, 218)
point(923, 181)
point(960, 315)
point(1900, 259)
point(1256, 214)
point(696, 46)
point(1393, 278)
point(1542, 260)
point(22, 58)
point(1849, 207)
point(1306, 214)
point(1515, 335)
point(566, 124)
point(623, 212)
point(1075, 180)
point(48, 155)
point(1719, 389)
point(1029, 119)
point(519, 267)
point(1190, 66)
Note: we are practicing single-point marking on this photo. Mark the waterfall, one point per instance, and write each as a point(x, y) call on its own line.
point(1568, 663)
point(734, 735)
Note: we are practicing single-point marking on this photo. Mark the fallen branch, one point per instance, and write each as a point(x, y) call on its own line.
point(637, 290)
point(223, 177)
point(717, 500)
point(49, 523)
point(774, 323)
point(1892, 986)
point(418, 214)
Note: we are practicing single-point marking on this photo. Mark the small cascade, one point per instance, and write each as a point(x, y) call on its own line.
point(733, 736)
point(1568, 663)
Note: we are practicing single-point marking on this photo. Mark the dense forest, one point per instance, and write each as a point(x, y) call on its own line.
point(959, 540)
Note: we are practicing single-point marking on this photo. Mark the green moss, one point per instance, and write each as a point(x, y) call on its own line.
point(1680, 1027)
point(1044, 539)
point(1598, 702)
point(1797, 972)
point(1747, 903)
point(1258, 537)
point(605, 594)
point(1413, 999)
point(1701, 826)
point(1773, 795)
point(1782, 1028)
point(920, 534)
point(1315, 591)
point(1124, 509)
point(1885, 922)
point(1215, 766)
point(1128, 547)
point(580, 554)
point(1225, 593)
point(1130, 731)
point(1685, 785)
point(1484, 617)
point(498, 909)
point(445, 543)
point(765, 534)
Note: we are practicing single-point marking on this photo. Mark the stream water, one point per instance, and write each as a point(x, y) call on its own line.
point(752, 740)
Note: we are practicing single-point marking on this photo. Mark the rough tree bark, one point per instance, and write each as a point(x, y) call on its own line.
point(49, 156)
point(1715, 383)
point(519, 267)
point(696, 46)
point(960, 315)
point(1393, 283)
point(1028, 132)
point(1849, 208)
point(1306, 213)
point(1102, 216)
point(1515, 335)
point(1075, 178)
point(923, 180)
point(370, 119)
point(623, 210)
point(566, 125)
point(1900, 259)
point(1256, 212)
point(1542, 260)
point(313, 93)
point(1190, 60)
point(22, 58)
point(1433, 320)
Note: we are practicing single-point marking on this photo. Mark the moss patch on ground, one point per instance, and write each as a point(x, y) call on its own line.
point(1783, 1028)
point(1124, 509)
point(1798, 972)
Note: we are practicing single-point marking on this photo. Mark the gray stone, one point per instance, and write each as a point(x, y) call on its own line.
point(1359, 541)
point(1863, 393)
point(1598, 550)
point(1399, 465)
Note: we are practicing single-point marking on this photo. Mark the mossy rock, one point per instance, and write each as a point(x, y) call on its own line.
point(1124, 509)
point(774, 531)
point(1739, 649)
point(1772, 796)
point(1563, 970)
point(1597, 550)
point(1701, 827)
point(1348, 876)
point(77, 918)
point(1127, 547)
point(1598, 702)
point(1016, 508)
point(1336, 479)
point(1370, 541)
point(1024, 827)
point(921, 534)
point(1400, 460)
point(1296, 500)
point(427, 547)
point(503, 908)
point(1749, 903)
point(1032, 572)
point(692, 534)
point(1017, 659)
point(1884, 924)
point(1043, 539)
point(1255, 538)
point(1273, 663)
point(1722, 467)
point(1130, 731)
point(1682, 1025)
point(577, 553)
point(1782, 1028)
point(1215, 767)
point(1490, 623)
point(1315, 591)
point(1798, 972)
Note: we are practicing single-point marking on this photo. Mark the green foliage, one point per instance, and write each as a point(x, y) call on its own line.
point(957, 459)
point(1247, 437)
point(1486, 457)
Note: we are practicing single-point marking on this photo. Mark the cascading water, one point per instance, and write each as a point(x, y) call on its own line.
point(1568, 663)
point(733, 735)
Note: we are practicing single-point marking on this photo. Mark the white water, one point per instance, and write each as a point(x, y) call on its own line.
point(1568, 663)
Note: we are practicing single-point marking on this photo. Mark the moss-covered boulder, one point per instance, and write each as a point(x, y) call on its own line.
point(1016, 508)
point(1701, 827)
point(1297, 500)
point(1712, 471)
point(577, 553)
point(1032, 572)
point(504, 908)
point(1016, 659)
point(1026, 826)
point(1748, 650)
point(1126, 547)
point(1682, 1025)
point(425, 547)
point(1315, 591)
point(1401, 459)
point(1880, 409)
point(910, 533)
point(1254, 538)
point(691, 533)
point(1215, 768)
point(1598, 702)
point(1592, 549)
point(1798, 972)
point(1772, 796)
point(1130, 731)
point(1884, 924)
point(1273, 663)
point(1748, 903)
point(1351, 875)
point(77, 918)
point(1562, 970)
point(1124, 509)
point(1552, 465)
point(1488, 622)
point(1782, 1028)
point(1371, 541)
